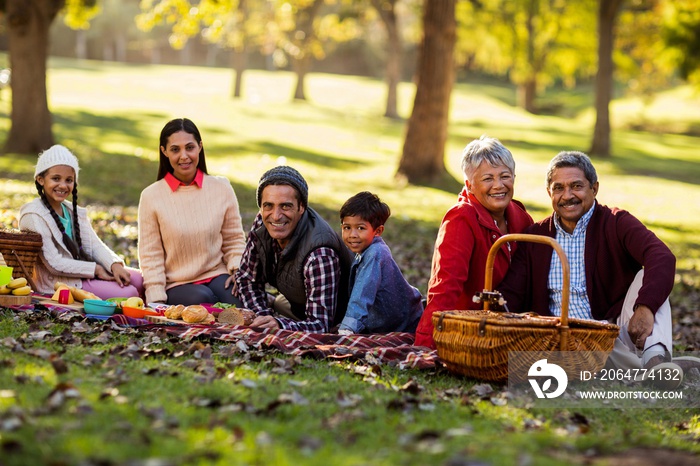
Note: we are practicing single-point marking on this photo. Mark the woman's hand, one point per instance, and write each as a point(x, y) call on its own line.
point(102, 274)
point(121, 275)
point(231, 281)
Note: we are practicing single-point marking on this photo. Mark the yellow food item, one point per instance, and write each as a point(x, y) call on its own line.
point(77, 293)
point(174, 312)
point(17, 283)
point(82, 295)
point(5, 290)
point(57, 294)
point(134, 301)
point(22, 291)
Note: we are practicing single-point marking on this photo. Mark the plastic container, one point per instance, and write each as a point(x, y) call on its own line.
point(119, 301)
point(138, 312)
point(99, 307)
point(5, 275)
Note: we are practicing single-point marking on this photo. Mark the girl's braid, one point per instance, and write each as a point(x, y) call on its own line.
point(76, 225)
point(54, 215)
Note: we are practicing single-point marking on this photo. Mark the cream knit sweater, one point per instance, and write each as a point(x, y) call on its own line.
point(56, 262)
point(188, 235)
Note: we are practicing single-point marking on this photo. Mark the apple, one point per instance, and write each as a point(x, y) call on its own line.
point(134, 301)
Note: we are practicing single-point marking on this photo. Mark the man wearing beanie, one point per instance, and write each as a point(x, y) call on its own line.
point(291, 248)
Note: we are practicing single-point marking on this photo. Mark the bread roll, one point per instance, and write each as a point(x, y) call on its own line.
point(174, 312)
point(236, 316)
point(82, 295)
point(194, 314)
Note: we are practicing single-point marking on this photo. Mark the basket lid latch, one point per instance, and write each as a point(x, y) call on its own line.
point(442, 316)
point(482, 327)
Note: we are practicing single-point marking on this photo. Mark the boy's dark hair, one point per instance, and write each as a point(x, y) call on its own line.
point(367, 206)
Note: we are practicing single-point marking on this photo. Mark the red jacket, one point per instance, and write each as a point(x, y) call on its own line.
point(466, 235)
point(617, 246)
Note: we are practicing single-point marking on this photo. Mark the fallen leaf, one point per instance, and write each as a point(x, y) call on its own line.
point(60, 394)
point(59, 365)
point(247, 383)
point(81, 327)
point(411, 387)
point(482, 390)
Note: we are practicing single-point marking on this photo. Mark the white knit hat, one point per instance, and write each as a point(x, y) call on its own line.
point(56, 155)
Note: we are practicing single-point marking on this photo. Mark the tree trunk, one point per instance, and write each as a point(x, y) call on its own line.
point(387, 11)
point(423, 155)
point(301, 68)
point(240, 61)
point(607, 14)
point(28, 23)
point(527, 91)
point(301, 63)
point(240, 53)
point(527, 94)
point(81, 45)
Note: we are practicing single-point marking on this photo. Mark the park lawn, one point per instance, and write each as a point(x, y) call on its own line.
point(94, 394)
point(142, 396)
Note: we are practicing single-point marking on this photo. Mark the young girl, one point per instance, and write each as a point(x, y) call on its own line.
point(71, 252)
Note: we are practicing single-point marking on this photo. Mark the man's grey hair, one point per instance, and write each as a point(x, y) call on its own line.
point(573, 159)
point(485, 149)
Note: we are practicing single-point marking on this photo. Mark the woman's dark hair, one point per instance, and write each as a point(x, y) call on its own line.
point(77, 253)
point(171, 127)
point(368, 207)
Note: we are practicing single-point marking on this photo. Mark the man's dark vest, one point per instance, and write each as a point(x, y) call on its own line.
point(312, 232)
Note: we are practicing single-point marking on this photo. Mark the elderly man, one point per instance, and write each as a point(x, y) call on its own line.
point(620, 270)
point(292, 248)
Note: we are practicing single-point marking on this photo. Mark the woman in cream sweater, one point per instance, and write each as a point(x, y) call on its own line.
point(190, 232)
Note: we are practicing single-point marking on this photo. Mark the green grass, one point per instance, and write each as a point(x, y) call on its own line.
point(147, 396)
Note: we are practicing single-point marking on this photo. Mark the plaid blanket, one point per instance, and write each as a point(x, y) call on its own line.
point(391, 348)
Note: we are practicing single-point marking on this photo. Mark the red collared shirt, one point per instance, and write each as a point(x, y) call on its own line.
point(174, 183)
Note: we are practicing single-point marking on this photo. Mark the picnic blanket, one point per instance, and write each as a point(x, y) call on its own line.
point(391, 348)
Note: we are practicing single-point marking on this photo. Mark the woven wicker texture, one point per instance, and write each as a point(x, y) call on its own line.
point(17, 246)
point(476, 343)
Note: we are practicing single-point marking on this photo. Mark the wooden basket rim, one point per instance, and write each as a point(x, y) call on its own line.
point(519, 321)
point(18, 237)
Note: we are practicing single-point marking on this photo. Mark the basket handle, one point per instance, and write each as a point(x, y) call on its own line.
point(24, 271)
point(488, 279)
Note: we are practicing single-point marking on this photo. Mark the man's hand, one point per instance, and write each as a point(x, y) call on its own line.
point(640, 325)
point(265, 322)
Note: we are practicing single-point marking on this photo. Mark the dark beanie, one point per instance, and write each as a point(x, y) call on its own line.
point(284, 175)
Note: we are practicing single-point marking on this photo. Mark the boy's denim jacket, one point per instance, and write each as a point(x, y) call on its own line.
point(381, 300)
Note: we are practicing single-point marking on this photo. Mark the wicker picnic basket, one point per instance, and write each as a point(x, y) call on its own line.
point(20, 250)
point(476, 343)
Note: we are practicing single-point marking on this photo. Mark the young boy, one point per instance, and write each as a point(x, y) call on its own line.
point(381, 300)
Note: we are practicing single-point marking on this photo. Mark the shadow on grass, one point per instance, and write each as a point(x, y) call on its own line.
point(109, 177)
point(445, 182)
point(671, 169)
point(325, 160)
point(82, 126)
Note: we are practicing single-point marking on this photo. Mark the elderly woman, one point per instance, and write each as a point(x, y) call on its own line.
point(485, 210)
